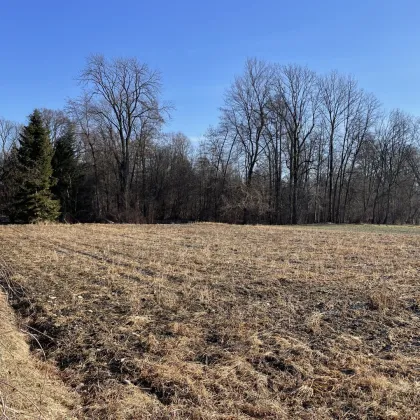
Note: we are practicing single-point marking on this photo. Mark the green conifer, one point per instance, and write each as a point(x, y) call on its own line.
point(66, 171)
point(34, 201)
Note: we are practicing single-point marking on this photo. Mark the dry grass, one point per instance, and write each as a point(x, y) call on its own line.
point(209, 321)
point(29, 388)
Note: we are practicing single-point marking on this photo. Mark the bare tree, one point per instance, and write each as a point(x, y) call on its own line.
point(215, 159)
point(360, 117)
point(245, 115)
point(297, 90)
point(124, 95)
point(82, 115)
point(8, 136)
point(275, 138)
point(56, 121)
point(337, 96)
point(394, 140)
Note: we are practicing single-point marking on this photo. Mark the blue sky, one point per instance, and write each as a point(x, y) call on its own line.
point(199, 46)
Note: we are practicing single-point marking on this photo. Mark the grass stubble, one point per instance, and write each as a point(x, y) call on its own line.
point(210, 321)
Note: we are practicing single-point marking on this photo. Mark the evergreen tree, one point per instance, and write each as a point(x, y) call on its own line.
point(66, 171)
point(34, 201)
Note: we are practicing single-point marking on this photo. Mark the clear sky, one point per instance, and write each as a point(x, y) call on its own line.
point(199, 46)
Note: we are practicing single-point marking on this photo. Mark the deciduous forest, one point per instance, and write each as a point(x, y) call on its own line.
point(291, 146)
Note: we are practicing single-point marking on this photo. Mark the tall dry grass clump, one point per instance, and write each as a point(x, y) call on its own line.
point(30, 388)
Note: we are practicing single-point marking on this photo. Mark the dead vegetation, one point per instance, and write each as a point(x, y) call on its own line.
point(208, 321)
point(29, 388)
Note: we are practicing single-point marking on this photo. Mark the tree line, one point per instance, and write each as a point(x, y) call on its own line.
point(291, 146)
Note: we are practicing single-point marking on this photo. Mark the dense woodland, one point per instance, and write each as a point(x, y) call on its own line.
point(291, 146)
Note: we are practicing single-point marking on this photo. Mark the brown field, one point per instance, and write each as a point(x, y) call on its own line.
point(209, 321)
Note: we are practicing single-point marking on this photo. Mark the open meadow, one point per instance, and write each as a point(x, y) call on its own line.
point(211, 321)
